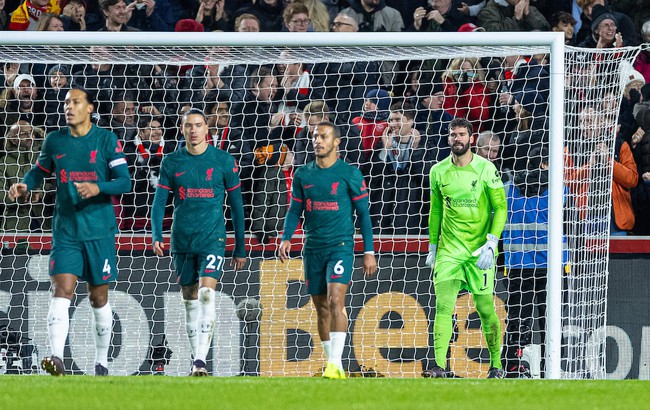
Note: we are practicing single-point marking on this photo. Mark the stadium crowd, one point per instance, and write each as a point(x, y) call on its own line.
point(394, 115)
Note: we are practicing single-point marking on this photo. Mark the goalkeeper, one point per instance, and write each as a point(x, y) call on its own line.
point(468, 213)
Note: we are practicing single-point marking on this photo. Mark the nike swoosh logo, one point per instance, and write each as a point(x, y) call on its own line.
point(444, 185)
point(482, 289)
point(61, 156)
point(178, 174)
point(309, 186)
point(335, 276)
point(210, 270)
point(106, 277)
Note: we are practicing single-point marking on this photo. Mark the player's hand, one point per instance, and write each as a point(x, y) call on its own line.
point(486, 252)
point(87, 190)
point(237, 263)
point(431, 256)
point(158, 248)
point(369, 264)
point(283, 250)
point(17, 190)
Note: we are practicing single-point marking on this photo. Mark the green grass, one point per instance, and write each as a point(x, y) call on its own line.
point(149, 392)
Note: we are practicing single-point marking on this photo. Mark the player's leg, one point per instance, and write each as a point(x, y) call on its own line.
point(513, 306)
point(66, 264)
point(186, 272)
point(314, 266)
point(101, 269)
point(338, 274)
point(446, 295)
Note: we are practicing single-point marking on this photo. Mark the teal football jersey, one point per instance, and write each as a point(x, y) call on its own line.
point(199, 184)
point(327, 196)
point(90, 158)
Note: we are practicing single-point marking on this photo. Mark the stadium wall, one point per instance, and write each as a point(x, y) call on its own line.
point(390, 317)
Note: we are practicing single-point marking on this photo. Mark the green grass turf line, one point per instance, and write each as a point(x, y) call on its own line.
point(149, 392)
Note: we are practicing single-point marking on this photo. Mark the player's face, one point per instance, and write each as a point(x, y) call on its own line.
point(459, 140)
point(76, 107)
point(325, 143)
point(194, 129)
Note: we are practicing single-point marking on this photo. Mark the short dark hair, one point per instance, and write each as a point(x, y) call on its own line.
point(405, 108)
point(90, 97)
point(194, 111)
point(462, 123)
point(105, 4)
point(562, 17)
point(335, 128)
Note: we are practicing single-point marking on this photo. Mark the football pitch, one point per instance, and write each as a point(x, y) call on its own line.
point(155, 392)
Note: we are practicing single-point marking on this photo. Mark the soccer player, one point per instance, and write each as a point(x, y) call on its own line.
point(329, 191)
point(199, 175)
point(90, 168)
point(467, 215)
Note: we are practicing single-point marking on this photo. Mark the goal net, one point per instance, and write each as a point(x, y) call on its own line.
point(393, 99)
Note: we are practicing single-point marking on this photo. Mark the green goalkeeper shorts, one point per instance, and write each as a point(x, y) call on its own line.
point(93, 261)
point(190, 266)
point(328, 265)
point(477, 281)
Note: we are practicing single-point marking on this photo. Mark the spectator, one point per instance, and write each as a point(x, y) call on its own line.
point(433, 122)
point(604, 28)
point(512, 15)
point(642, 63)
point(320, 18)
point(122, 117)
point(26, 16)
point(296, 18)
point(488, 145)
point(73, 15)
point(218, 120)
point(442, 16)
point(374, 120)
point(116, 14)
point(144, 155)
point(22, 147)
point(268, 12)
point(374, 15)
point(591, 10)
point(22, 102)
point(152, 15)
point(212, 15)
point(314, 113)
point(247, 23)
point(465, 91)
point(632, 82)
point(57, 86)
point(49, 22)
point(400, 193)
point(641, 149)
point(562, 21)
point(3, 16)
point(529, 134)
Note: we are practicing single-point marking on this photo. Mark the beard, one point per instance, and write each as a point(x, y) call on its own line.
point(459, 151)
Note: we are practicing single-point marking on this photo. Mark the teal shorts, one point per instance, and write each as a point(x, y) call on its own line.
point(191, 266)
point(328, 265)
point(93, 261)
point(477, 281)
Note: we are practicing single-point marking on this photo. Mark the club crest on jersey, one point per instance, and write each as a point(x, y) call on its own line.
point(208, 174)
point(118, 149)
point(363, 185)
point(474, 185)
point(181, 192)
point(63, 176)
point(93, 156)
point(335, 187)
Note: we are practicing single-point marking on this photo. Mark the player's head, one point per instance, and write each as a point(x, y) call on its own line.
point(460, 136)
point(194, 127)
point(326, 139)
point(77, 106)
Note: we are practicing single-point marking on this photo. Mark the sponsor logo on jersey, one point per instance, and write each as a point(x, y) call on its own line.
point(93, 156)
point(462, 203)
point(181, 193)
point(59, 156)
point(308, 186)
point(208, 174)
point(178, 174)
point(63, 176)
point(83, 176)
point(335, 187)
point(198, 193)
point(448, 202)
point(325, 206)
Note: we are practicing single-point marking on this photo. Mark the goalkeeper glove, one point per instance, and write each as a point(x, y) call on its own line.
point(486, 252)
point(431, 257)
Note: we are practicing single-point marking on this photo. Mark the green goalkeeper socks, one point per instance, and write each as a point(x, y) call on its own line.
point(446, 295)
point(491, 327)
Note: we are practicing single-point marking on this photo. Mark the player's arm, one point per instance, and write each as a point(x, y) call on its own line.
point(158, 210)
point(120, 182)
point(435, 219)
point(236, 203)
point(34, 178)
point(292, 218)
point(497, 201)
point(359, 196)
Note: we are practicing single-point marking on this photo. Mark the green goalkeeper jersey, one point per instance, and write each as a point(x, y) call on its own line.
point(199, 183)
point(467, 203)
point(95, 157)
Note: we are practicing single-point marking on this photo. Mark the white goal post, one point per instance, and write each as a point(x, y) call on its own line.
point(284, 48)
